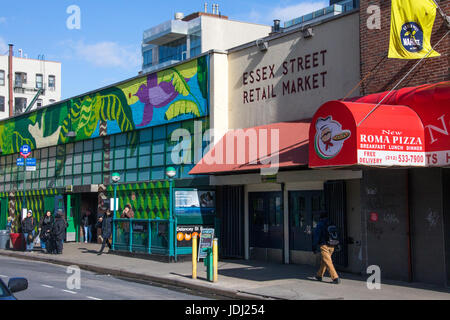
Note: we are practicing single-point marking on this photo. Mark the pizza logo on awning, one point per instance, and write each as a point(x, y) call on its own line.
point(329, 138)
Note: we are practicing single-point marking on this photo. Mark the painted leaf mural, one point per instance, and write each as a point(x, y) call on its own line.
point(174, 94)
point(182, 107)
point(202, 77)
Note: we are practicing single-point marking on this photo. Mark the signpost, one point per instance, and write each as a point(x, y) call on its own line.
point(25, 152)
point(30, 164)
point(205, 243)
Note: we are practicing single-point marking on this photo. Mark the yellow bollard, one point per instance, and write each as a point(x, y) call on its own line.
point(215, 260)
point(194, 256)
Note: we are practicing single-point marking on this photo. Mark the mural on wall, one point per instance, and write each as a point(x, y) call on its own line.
point(174, 94)
point(149, 200)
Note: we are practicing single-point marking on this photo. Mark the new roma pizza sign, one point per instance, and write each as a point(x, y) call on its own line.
point(390, 136)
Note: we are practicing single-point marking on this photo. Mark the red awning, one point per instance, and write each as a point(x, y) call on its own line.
point(268, 147)
point(390, 136)
point(432, 103)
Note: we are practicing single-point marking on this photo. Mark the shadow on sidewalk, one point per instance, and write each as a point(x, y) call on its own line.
point(86, 250)
point(265, 271)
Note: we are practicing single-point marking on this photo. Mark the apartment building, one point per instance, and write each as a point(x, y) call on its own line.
point(186, 37)
point(34, 83)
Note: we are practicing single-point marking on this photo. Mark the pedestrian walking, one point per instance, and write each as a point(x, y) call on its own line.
point(105, 223)
point(45, 228)
point(28, 226)
point(86, 223)
point(59, 232)
point(325, 239)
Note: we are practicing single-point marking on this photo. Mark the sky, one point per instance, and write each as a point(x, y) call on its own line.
point(106, 48)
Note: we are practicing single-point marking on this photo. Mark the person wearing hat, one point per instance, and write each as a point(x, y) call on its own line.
point(28, 226)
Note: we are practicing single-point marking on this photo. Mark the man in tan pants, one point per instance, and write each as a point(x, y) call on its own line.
point(326, 263)
point(326, 251)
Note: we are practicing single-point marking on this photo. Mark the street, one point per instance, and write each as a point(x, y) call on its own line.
point(49, 282)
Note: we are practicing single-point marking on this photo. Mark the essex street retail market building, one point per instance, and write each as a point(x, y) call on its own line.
point(289, 149)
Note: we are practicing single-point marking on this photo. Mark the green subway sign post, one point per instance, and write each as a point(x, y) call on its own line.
point(25, 152)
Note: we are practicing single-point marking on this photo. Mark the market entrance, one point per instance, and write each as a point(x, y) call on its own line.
point(266, 225)
point(304, 213)
point(88, 207)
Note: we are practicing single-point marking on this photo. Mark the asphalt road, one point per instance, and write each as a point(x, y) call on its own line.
point(52, 282)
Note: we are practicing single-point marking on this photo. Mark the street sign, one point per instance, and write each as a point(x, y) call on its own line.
point(206, 241)
point(25, 151)
point(31, 162)
point(20, 162)
point(30, 168)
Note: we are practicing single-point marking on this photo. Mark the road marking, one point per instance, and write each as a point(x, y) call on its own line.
point(93, 298)
point(73, 292)
point(47, 286)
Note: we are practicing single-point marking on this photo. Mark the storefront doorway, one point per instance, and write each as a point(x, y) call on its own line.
point(304, 213)
point(266, 225)
point(88, 203)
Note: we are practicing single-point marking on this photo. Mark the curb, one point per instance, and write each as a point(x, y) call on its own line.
point(202, 289)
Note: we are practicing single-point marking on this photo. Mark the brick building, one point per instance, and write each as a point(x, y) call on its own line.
point(387, 72)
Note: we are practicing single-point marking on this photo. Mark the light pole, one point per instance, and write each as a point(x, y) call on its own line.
point(170, 173)
point(115, 179)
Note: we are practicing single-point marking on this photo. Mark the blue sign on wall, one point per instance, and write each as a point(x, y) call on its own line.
point(20, 162)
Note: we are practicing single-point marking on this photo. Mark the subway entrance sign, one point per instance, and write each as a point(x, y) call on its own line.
point(25, 151)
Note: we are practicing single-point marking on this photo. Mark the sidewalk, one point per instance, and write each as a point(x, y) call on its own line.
point(238, 279)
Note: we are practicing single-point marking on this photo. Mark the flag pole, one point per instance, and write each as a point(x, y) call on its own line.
point(443, 15)
point(402, 79)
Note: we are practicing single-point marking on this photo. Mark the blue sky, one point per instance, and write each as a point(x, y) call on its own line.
point(106, 49)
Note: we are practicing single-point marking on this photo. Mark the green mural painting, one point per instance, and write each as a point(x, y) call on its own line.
point(174, 94)
point(149, 200)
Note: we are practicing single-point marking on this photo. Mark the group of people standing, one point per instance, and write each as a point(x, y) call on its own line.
point(51, 231)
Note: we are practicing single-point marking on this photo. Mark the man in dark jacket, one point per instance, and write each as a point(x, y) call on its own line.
point(326, 251)
point(45, 228)
point(106, 224)
point(28, 225)
point(59, 232)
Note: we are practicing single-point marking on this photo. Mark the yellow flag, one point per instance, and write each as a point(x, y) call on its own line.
point(411, 26)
